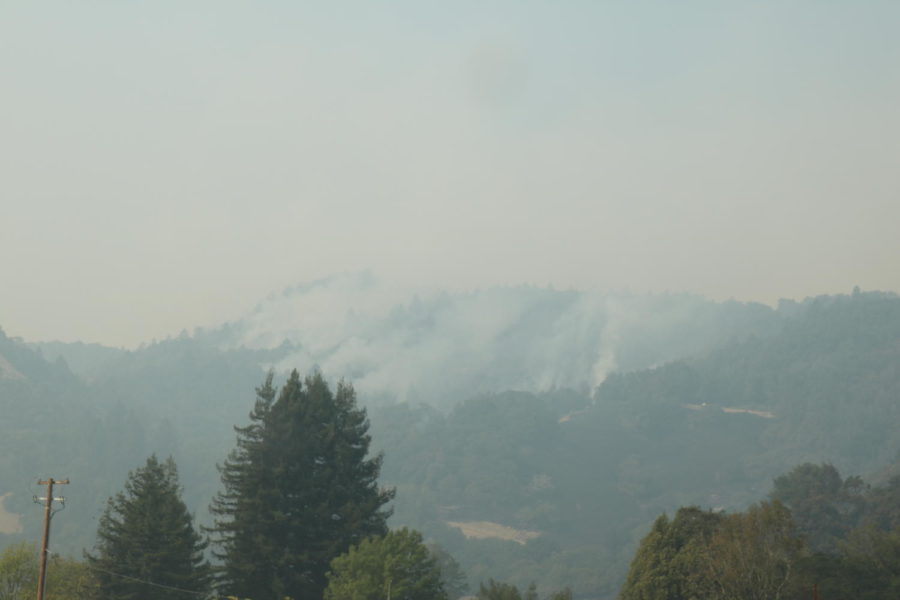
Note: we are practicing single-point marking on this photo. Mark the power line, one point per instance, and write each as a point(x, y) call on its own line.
point(147, 582)
point(48, 514)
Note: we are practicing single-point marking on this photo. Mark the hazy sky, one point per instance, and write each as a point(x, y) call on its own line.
point(165, 165)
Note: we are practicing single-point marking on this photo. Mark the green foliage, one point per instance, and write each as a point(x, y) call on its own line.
point(397, 565)
point(701, 554)
point(146, 544)
point(563, 594)
point(18, 572)
point(70, 580)
point(299, 490)
point(824, 506)
point(66, 579)
point(867, 568)
point(753, 555)
point(883, 505)
point(872, 558)
point(591, 485)
point(495, 590)
point(761, 554)
point(863, 562)
point(452, 576)
point(671, 560)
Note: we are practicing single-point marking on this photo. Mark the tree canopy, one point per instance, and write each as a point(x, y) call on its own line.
point(147, 546)
point(397, 565)
point(66, 579)
point(824, 506)
point(299, 490)
point(671, 560)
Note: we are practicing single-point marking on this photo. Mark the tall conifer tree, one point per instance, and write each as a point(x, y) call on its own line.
point(299, 490)
point(147, 546)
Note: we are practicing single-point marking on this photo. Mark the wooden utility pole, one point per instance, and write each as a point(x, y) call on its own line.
point(48, 505)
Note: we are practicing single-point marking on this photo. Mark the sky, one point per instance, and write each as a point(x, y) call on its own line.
point(165, 165)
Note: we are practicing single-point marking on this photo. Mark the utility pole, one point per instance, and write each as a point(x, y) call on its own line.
point(48, 505)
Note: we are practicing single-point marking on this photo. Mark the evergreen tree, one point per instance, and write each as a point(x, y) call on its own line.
point(147, 547)
point(299, 490)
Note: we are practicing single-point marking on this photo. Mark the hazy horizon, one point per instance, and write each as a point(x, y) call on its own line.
point(168, 166)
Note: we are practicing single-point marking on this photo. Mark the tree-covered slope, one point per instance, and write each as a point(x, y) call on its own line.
point(559, 484)
point(826, 388)
point(444, 347)
point(590, 474)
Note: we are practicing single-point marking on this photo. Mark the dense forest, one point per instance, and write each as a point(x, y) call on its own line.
point(521, 477)
point(817, 535)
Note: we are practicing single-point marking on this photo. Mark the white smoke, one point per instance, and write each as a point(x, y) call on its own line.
point(395, 343)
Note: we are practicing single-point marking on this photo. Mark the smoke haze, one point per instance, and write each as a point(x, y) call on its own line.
point(164, 165)
point(439, 347)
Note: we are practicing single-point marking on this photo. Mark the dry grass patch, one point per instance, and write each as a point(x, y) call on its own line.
point(489, 530)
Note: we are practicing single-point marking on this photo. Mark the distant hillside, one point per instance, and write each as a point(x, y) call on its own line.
point(830, 379)
point(85, 360)
point(700, 403)
point(442, 347)
point(590, 473)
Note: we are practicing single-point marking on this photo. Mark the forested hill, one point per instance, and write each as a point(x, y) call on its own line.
point(825, 388)
point(442, 347)
point(589, 474)
point(561, 483)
